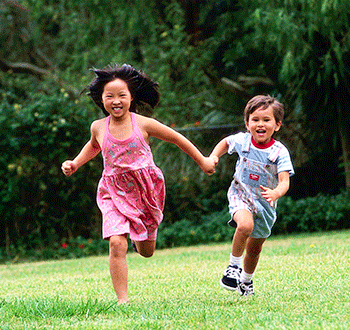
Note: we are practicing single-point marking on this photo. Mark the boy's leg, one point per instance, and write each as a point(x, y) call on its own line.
point(245, 225)
point(252, 253)
point(118, 246)
point(251, 258)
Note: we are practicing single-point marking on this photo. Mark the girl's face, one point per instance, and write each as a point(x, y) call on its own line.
point(116, 98)
point(262, 124)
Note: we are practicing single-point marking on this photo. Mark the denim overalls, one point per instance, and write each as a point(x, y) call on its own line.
point(245, 191)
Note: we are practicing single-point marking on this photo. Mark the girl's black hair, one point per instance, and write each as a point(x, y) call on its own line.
point(142, 88)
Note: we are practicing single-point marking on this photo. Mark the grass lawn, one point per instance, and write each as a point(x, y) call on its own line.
point(302, 282)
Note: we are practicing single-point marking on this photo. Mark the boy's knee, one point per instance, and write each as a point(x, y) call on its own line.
point(245, 228)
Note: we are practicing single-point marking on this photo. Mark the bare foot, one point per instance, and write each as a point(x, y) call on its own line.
point(123, 302)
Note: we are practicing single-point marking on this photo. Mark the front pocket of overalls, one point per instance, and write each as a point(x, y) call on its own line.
point(254, 178)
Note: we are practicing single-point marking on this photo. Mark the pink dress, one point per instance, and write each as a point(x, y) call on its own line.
point(131, 192)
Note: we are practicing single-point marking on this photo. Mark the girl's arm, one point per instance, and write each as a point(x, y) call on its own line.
point(165, 133)
point(89, 151)
point(271, 195)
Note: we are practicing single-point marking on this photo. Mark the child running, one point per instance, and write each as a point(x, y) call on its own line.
point(131, 192)
point(261, 177)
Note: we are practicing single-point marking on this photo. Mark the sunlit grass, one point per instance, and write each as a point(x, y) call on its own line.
point(302, 282)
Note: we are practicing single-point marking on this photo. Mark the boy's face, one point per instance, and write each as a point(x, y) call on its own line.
point(262, 124)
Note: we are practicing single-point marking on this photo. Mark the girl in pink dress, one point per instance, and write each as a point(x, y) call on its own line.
point(131, 191)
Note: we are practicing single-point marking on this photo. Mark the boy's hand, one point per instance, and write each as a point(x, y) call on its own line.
point(69, 167)
point(269, 194)
point(209, 164)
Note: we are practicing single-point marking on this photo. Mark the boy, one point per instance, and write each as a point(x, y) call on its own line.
point(261, 177)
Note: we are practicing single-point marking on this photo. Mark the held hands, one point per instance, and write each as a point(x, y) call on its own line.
point(269, 194)
point(209, 164)
point(69, 167)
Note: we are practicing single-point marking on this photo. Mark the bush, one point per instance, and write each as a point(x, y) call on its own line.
point(38, 205)
point(312, 214)
point(211, 228)
point(320, 213)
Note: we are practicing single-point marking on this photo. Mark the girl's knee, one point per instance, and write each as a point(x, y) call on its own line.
point(147, 254)
point(146, 248)
point(118, 246)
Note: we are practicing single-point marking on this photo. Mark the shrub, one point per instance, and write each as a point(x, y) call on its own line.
point(319, 213)
point(38, 205)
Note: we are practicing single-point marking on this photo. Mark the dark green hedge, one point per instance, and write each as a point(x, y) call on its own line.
point(312, 214)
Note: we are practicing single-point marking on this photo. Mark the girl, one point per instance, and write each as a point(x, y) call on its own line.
point(131, 191)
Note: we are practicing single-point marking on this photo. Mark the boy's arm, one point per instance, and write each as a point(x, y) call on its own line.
point(220, 149)
point(89, 151)
point(271, 195)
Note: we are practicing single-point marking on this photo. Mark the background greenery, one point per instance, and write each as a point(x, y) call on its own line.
point(209, 58)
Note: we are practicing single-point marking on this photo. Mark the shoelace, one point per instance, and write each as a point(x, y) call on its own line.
point(233, 273)
point(247, 288)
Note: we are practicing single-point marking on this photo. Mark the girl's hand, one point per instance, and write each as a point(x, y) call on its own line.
point(269, 194)
point(69, 167)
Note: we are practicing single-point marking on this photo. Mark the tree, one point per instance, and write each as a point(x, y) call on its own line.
point(303, 48)
point(314, 40)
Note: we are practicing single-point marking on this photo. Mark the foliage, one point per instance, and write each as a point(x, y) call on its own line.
point(296, 50)
point(39, 206)
point(304, 47)
point(312, 214)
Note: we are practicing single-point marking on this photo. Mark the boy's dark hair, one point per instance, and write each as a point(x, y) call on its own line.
point(263, 102)
point(142, 88)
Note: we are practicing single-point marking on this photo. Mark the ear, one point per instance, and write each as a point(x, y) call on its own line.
point(247, 126)
point(278, 126)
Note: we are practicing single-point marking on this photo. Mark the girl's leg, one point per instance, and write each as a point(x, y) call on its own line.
point(145, 248)
point(252, 254)
point(245, 226)
point(118, 246)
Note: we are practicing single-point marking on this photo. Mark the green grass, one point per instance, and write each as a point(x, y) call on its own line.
point(302, 282)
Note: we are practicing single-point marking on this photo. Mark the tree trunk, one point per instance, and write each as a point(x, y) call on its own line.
point(344, 127)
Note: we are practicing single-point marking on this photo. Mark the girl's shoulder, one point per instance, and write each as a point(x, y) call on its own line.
point(146, 123)
point(97, 128)
point(143, 119)
point(98, 123)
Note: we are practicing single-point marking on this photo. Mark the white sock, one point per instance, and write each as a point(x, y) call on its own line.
point(245, 277)
point(236, 261)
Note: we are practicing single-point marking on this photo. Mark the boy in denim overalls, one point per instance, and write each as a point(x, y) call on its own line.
point(261, 177)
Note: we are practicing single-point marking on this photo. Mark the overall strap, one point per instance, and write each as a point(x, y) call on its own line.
point(246, 142)
point(275, 151)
